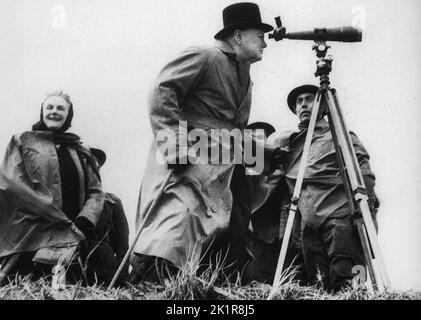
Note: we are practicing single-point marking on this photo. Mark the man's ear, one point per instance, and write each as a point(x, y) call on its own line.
point(238, 36)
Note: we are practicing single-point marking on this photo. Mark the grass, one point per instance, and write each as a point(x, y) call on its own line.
point(187, 285)
point(22, 288)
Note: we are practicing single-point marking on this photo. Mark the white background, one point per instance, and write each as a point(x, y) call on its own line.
point(106, 54)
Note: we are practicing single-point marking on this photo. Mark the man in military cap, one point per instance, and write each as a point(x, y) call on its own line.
point(329, 241)
point(111, 236)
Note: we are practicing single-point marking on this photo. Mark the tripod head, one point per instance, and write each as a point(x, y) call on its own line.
point(323, 64)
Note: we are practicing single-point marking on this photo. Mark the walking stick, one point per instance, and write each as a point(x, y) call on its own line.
point(129, 251)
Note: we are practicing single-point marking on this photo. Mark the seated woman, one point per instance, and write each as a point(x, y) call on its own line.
point(50, 193)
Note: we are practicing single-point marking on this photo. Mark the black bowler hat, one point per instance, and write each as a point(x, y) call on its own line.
point(99, 155)
point(269, 129)
point(292, 97)
point(241, 16)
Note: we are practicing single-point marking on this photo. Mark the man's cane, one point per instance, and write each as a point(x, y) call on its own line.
point(129, 251)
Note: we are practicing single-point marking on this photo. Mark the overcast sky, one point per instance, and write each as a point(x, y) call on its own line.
point(106, 54)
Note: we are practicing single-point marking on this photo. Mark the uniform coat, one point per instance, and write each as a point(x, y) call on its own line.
point(322, 206)
point(323, 191)
point(112, 239)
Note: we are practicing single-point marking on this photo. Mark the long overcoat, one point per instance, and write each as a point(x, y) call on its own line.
point(31, 200)
point(210, 89)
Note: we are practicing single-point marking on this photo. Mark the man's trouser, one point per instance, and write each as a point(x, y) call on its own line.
point(265, 255)
point(103, 264)
point(231, 244)
point(150, 269)
point(331, 252)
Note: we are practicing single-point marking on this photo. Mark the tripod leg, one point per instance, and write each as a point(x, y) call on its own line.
point(348, 191)
point(374, 242)
point(362, 199)
point(365, 244)
point(356, 182)
point(296, 194)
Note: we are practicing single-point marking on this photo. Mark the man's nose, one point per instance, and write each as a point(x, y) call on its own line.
point(264, 45)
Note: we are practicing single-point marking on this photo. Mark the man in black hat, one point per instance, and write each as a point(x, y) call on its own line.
point(246, 186)
point(267, 129)
point(203, 88)
point(262, 239)
point(329, 243)
point(111, 236)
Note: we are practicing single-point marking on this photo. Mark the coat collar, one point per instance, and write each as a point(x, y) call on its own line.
point(320, 125)
point(227, 49)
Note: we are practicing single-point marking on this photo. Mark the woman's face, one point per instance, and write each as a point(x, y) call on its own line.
point(55, 110)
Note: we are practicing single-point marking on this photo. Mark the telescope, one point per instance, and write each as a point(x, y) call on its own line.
point(340, 34)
